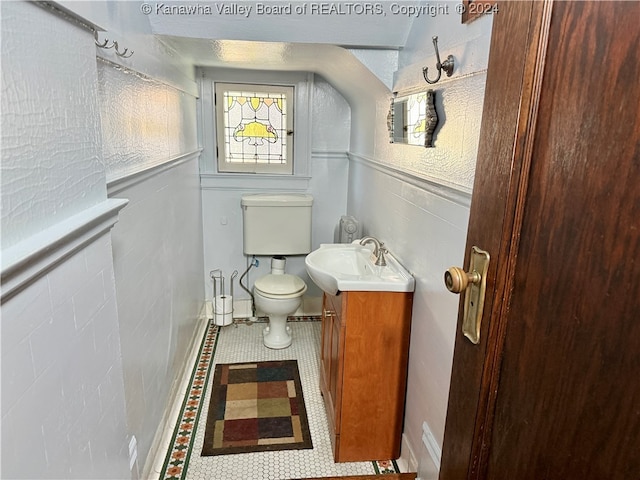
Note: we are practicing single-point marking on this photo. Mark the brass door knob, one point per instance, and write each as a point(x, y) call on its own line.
point(457, 280)
point(474, 285)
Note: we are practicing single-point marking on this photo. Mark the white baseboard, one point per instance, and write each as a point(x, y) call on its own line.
point(430, 455)
point(160, 444)
point(407, 461)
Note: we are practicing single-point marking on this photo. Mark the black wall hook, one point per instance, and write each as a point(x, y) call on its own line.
point(447, 66)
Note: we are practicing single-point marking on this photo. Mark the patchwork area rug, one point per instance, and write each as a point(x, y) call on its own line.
point(256, 407)
point(219, 345)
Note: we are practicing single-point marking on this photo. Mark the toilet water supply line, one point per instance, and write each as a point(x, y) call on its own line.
point(254, 263)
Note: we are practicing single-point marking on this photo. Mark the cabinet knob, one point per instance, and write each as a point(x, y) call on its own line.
point(328, 314)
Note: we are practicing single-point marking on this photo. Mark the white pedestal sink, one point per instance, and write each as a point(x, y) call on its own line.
point(350, 267)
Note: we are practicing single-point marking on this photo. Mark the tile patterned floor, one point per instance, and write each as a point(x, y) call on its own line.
point(243, 343)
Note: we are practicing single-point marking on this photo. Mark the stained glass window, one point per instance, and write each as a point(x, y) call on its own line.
point(254, 124)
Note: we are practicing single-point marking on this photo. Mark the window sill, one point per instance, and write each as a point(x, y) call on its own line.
point(253, 181)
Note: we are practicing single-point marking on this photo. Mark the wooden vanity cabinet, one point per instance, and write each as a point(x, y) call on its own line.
point(363, 372)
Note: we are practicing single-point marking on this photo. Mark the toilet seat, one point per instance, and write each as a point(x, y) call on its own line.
point(280, 286)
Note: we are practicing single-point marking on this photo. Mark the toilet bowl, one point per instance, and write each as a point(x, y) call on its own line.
point(277, 224)
point(278, 295)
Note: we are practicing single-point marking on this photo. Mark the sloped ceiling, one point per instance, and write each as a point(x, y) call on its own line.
point(338, 66)
point(334, 63)
point(236, 35)
point(349, 24)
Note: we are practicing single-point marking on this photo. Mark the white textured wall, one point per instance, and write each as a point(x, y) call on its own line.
point(49, 129)
point(417, 201)
point(157, 249)
point(427, 233)
point(52, 168)
point(330, 118)
point(452, 161)
point(157, 244)
point(63, 408)
point(91, 346)
point(329, 135)
point(145, 122)
point(223, 223)
point(123, 22)
point(458, 98)
point(381, 62)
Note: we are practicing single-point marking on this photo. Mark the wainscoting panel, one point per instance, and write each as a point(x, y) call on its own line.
point(424, 225)
point(157, 250)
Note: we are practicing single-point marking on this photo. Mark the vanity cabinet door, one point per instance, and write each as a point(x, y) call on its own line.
point(337, 353)
point(331, 363)
point(365, 346)
point(325, 350)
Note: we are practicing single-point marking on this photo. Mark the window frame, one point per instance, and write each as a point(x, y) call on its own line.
point(223, 166)
point(210, 178)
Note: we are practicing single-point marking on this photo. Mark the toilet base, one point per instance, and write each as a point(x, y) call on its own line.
point(277, 334)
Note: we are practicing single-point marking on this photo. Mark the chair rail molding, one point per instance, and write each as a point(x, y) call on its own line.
point(117, 185)
point(454, 193)
point(26, 261)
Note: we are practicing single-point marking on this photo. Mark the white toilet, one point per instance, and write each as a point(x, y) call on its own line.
point(278, 225)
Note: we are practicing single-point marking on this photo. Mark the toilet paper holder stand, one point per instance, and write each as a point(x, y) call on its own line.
point(222, 303)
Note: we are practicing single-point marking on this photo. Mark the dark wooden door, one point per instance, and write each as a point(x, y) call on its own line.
point(553, 389)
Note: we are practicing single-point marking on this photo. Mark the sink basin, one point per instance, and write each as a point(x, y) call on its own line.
point(344, 267)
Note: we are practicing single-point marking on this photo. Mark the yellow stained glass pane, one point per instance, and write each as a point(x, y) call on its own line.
point(255, 127)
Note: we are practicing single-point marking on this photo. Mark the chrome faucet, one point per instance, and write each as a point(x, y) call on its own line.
point(378, 249)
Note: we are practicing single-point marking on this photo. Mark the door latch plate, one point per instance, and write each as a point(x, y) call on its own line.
point(474, 295)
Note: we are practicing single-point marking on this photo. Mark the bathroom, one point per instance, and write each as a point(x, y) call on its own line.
point(114, 214)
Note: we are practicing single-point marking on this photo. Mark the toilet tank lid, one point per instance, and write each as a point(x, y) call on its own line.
point(275, 199)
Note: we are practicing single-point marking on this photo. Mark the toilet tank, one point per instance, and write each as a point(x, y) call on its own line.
point(276, 223)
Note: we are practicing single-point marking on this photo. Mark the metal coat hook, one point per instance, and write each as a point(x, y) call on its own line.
point(447, 66)
point(123, 54)
point(104, 44)
point(113, 45)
